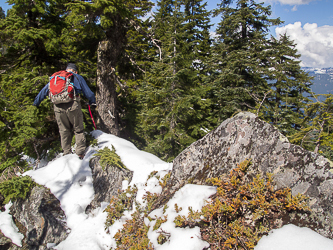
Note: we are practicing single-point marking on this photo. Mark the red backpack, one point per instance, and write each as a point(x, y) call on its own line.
point(61, 87)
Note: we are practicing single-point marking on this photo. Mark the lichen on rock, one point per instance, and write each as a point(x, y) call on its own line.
point(245, 136)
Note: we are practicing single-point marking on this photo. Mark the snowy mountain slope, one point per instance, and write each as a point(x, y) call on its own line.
point(70, 180)
point(323, 80)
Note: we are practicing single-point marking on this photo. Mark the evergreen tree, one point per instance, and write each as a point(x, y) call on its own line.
point(41, 37)
point(252, 72)
point(290, 87)
point(119, 23)
point(196, 51)
point(30, 36)
point(239, 61)
point(132, 69)
point(316, 134)
point(2, 48)
point(2, 13)
point(170, 93)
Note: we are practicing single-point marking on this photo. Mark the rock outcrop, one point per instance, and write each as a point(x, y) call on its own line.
point(40, 219)
point(245, 136)
point(106, 182)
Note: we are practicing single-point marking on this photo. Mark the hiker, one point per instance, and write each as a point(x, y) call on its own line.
point(67, 106)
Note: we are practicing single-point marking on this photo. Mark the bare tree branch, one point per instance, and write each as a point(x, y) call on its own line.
point(142, 32)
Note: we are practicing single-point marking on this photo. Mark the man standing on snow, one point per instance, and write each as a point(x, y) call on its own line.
point(68, 113)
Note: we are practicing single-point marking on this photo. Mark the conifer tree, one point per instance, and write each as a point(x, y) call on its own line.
point(2, 13)
point(290, 87)
point(2, 16)
point(40, 37)
point(196, 53)
point(316, 133)
point(239, 59)
point(170, 93)
point(118, 23)
point(255, 73)
point(31, 50)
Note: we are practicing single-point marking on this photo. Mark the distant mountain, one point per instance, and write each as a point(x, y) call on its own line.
point(323, 79)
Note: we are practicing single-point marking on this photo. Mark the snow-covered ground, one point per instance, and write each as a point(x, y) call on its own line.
point(70, 180)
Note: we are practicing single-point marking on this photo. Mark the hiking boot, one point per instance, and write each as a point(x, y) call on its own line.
point(81, 156)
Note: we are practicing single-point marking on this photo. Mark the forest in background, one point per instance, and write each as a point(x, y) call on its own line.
point(161, 80)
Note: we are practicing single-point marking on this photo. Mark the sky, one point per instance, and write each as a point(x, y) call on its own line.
point(309, 23)
point(70, 180)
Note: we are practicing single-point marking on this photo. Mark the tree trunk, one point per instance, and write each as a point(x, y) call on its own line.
point(106, 96)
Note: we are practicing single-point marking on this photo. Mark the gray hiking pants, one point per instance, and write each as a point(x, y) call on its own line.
point(69, 117)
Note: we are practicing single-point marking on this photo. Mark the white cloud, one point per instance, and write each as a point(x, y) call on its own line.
point(290, 2)
point(315, 44)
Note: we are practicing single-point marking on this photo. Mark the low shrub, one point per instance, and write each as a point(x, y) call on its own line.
point(119, 204)
point(109, 158)
point(16, 187)
point(133, 235)
point(243, 209)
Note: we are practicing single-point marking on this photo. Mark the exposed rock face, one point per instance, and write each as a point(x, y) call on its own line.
point(40, 219)
point(246, 136)
point(106, 182)
point(5, 243)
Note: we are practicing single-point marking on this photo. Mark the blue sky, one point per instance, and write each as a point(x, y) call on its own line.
point(308, 22)
point(319, 11)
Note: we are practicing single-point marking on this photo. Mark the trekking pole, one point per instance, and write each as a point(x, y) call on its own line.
point(91, 116)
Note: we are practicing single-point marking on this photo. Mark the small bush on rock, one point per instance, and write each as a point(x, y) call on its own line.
point(16, 187)
point(133, 235)
point(243, 210)
point(109, 158)
point(119, 204)
point(149, 199)
point(164, 180)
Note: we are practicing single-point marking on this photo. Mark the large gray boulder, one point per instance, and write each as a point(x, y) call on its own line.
point(106, 182)
point(246, 136)
point(40, 219)
point(5, 243)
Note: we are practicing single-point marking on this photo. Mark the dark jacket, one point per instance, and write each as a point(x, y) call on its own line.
point(80, 86)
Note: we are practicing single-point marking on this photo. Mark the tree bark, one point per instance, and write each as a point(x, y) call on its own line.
point(106, 97)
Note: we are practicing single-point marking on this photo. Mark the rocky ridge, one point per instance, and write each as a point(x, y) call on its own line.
point(244, 136)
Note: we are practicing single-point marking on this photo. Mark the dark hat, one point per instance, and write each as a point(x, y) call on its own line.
point(71, 66)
